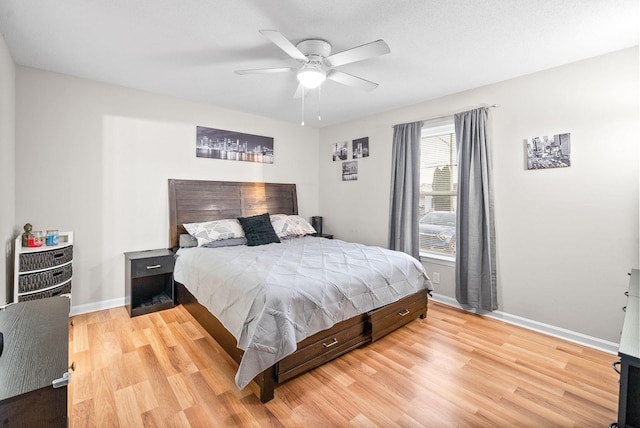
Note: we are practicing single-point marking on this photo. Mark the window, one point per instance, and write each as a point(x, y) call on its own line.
point(438, 187)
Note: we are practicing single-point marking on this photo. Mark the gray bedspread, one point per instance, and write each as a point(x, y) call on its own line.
point(271, 297)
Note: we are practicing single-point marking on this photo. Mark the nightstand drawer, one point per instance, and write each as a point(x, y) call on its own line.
point(151, 266)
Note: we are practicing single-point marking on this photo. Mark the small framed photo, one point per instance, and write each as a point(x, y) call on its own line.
point(549, 152)
point(339, 151)
point(360, 148)
point(350, 171)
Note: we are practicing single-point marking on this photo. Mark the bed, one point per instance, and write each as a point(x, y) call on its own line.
point(309, 341)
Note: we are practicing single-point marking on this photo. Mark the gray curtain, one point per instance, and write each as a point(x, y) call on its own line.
point(475, 250)
point(405, 189)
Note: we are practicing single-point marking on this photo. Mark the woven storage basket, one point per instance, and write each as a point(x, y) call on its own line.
point(45, 259)
point(65, 289)
point(45, 279)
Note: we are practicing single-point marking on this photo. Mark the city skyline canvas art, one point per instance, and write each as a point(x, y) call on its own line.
point(236, 146)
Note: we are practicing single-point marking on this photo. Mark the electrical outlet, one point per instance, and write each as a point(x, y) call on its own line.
point(436, 278)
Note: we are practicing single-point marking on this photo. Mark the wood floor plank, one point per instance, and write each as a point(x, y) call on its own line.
point(451, 369)
point(104, 403)
point(129, 414)
point(83, 387)
point(208, 400)
point(159, 383)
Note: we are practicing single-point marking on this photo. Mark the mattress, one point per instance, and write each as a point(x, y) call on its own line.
point(271, 297)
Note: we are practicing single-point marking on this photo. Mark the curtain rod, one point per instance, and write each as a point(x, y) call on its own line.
point(449, 115)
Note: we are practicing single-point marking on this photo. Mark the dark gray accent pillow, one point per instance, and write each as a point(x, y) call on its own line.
point(258, 230)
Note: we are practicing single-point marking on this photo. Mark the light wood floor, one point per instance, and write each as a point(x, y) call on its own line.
point(452, 369)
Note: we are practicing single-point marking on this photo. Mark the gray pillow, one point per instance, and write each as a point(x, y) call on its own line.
point(214, 230)
point(231, 242)
point(187, 241)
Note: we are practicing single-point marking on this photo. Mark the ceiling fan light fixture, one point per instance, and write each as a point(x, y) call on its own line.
point(311, 76)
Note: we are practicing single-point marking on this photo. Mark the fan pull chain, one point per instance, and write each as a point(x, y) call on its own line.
point(302, 123)
point(319, 116)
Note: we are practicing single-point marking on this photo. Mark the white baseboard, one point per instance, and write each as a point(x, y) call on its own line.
point(550, 330)
point(98, 306)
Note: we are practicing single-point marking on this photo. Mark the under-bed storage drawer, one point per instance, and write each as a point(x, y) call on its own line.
point(388, 318)
point(314, 351)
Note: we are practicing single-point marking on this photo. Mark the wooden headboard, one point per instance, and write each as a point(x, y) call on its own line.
point(192, 201)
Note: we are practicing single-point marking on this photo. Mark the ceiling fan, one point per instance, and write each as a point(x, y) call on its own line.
point(317, 63)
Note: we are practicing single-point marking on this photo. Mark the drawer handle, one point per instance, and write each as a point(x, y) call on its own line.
point(57, 273)
point(404, 313)
point(63, 381)
point(58, 255)
point(613, 366)
point(154, 267)
point(333, 343)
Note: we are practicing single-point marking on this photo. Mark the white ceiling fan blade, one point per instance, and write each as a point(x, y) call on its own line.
point(265, 70)
point(284, 44)
point(350, 80)
point(379, 47)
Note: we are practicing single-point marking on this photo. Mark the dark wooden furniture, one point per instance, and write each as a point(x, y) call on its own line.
point(192, 201)
point(323, 235)
point(629, 352)
point(43, 271)
point(197, 201)
point(149, 281)
point(34, 356)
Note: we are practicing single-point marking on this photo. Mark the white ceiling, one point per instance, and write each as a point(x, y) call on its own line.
point(190, 48)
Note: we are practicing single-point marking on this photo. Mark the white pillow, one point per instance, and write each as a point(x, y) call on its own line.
point(279, 223)
point(301, 225)
point(215, 230)
point(290, 225)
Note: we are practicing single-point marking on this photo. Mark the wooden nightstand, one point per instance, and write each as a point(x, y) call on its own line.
point(149, 281)
point(323, 235)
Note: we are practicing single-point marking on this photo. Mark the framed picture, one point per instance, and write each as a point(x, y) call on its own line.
point(360, 148)
point(350, 171)
point(236, 146)
point(339, 151)
point(549, 152)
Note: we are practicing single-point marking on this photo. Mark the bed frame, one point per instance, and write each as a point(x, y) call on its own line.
point(197, 201)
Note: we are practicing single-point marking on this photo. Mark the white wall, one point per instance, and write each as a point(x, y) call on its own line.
point(7, 169)
point(565, 237)
point(95, 159)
